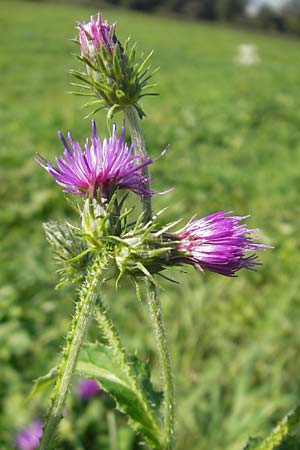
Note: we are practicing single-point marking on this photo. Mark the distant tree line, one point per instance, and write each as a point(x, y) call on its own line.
point(198, 9)
point(285, 20)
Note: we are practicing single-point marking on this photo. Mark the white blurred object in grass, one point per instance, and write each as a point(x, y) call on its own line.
point(247, 55)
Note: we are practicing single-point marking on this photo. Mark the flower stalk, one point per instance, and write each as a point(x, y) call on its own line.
point(84, 310)
point(288, 426)
point(133, 120)
point(153, 299)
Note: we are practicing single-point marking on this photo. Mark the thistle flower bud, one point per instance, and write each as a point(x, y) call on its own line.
point(111, 73)
point(94, 35)
point(67, 246)
point(94, 220)
point(143, 251)
point(217, 243)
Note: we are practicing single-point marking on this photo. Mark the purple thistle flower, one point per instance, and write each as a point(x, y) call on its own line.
point(95, 34)
point(105, 165)
point(88, 388)
point(217, 243)
point(29, 438)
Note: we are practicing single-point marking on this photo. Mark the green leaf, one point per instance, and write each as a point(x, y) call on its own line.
point(289, 443)
point(86, 61)
point(82, 94)
point(126, 45)
point(92, 103)
point(142, 66)
point(252, 443)
point(42, 382)
point(128, 382)
point(116, 63)
point(92, 113)
point(131, 55)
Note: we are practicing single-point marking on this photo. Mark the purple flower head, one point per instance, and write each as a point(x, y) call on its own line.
point(218, 243)
point(29, 438)
point(88, 388)
point(103, 166)
point(95, 34)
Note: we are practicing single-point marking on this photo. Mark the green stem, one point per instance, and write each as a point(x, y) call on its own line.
point(84, 309)
point(137, 138)
point(112, 431)
point(154, 305)
point(161, 337)
point(288, 425)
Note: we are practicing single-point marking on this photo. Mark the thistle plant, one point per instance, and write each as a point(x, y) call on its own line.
point(110, 237)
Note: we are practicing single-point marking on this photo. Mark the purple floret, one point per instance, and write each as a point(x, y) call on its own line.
point(29, 438)
point(218, 243)
point(88, 388)
point(103, 166)
point(95, 34)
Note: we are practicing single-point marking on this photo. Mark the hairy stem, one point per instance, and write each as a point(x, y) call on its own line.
point(288, 425)
point(154, 305)
point(137, 138)
point(84, 309)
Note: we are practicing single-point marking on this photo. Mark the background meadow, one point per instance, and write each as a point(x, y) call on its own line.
point(235, 145)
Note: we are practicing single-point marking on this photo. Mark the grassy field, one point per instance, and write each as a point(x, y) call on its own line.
point(235, 145)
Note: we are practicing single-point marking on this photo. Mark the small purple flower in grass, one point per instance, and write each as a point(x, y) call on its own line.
point(218, 243)
point(88, 388)
point(29, 438)
point(95, 34)
point(103, 166)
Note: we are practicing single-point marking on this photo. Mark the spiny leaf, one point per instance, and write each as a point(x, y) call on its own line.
point(42, 382)
point(103, 87)
point(90, 114)
point(102, 65)
point(149, 94)
point(139, 110)
point(145, 61)
point(116, 63)
point(126, 44)
point(92, 103)
point(150, 86)
point(131, 55)
point(82, 94)
point(86, 61)
point(130, 386)
point(80, 85)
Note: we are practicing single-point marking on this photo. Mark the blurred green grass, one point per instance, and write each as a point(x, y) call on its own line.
point(235, 145)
